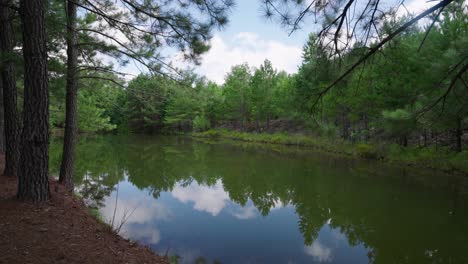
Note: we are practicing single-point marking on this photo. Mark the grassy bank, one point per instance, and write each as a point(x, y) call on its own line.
point(439, 158)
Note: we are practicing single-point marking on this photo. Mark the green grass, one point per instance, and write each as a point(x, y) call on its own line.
point(278, 138)
point(429, 157)
point(94, 212)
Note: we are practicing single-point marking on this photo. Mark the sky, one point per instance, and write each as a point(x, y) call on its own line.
point(251, 38)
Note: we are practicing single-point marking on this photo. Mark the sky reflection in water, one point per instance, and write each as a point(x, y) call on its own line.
point(202, 208)
point(237, 203)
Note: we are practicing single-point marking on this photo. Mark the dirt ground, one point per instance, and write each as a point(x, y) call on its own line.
point(60, 231)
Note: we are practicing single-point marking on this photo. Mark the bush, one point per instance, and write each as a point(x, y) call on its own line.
point(460, 161)
point(367, 151)
point(209, 134)
point(201, 123)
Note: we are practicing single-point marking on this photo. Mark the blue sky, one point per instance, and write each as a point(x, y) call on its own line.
point(247, 16)
point(251, 38)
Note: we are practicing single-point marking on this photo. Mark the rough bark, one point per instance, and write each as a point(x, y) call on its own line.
point(2, 120)
point(33, 182)
point(425, 137)
point(404, 140)
point(345, 123)
point(366, 127)
point(458, 135)
point(9, 92)
point(71, 125)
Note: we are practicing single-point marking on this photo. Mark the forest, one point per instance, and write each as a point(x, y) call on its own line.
point(397, 98)
point(398, 80)
point(99, 97)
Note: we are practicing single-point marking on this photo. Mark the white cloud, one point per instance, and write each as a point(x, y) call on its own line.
point(320, 252)
point(417, 6)
point(206, 199)
point(245, 47)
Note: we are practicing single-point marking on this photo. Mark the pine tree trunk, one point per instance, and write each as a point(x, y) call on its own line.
point(2, 119)
point(346, 124)
point(68, 158)
point(33, 182)
point(9, 93)
point(404, 141)
point(425, 137)
point(458, 135)
point(366, 127)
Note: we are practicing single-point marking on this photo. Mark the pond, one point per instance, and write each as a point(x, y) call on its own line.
point(225, 202)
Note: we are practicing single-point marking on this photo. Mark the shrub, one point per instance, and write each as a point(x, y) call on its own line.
point(367, 151)
point(210, 134)
point(460, 161)
point(201, 123)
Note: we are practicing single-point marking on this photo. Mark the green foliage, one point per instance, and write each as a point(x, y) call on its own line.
point(99, 110)
point(430, 157)
point(91, 115)
point(367, 151)
point(278, 138)
point(395, 97)
point(398, 123)
point(201, 123)
point(238, 94)
point(146, 99)
point(459, 161)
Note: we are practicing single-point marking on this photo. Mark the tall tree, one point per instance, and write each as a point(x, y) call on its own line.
point(351, 21)
point(237, 93)
point(71, 118)
point(143, 27)
point(263, 84)
point(9, 89)
point(2, 119)
point(33, 182)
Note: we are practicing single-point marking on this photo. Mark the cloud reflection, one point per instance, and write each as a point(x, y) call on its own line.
point(320, 252)
point(146, 209)
point(147, 233)
point(210, 199)
point(138, 213)
point(247, 212)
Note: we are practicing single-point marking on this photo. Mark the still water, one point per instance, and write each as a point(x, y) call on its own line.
point(220, 202)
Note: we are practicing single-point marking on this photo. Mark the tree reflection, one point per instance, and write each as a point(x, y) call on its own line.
point(399, 219)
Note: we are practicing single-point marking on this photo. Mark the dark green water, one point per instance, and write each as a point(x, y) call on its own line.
point(225, 203)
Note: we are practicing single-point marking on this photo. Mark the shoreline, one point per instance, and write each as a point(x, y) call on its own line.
point(61, 230)
point(426, 158)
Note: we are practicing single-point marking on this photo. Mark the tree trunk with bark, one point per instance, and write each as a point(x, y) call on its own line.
point(346, 124)
point(9, 91)
point(458, 135)
point(33, 182)
point(71, 119)
point(425, 137)
point(2, 120)
point(366, 127)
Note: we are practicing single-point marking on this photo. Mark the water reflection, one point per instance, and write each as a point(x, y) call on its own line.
point(320, 252)
point(242, 204)
point(210, 199)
